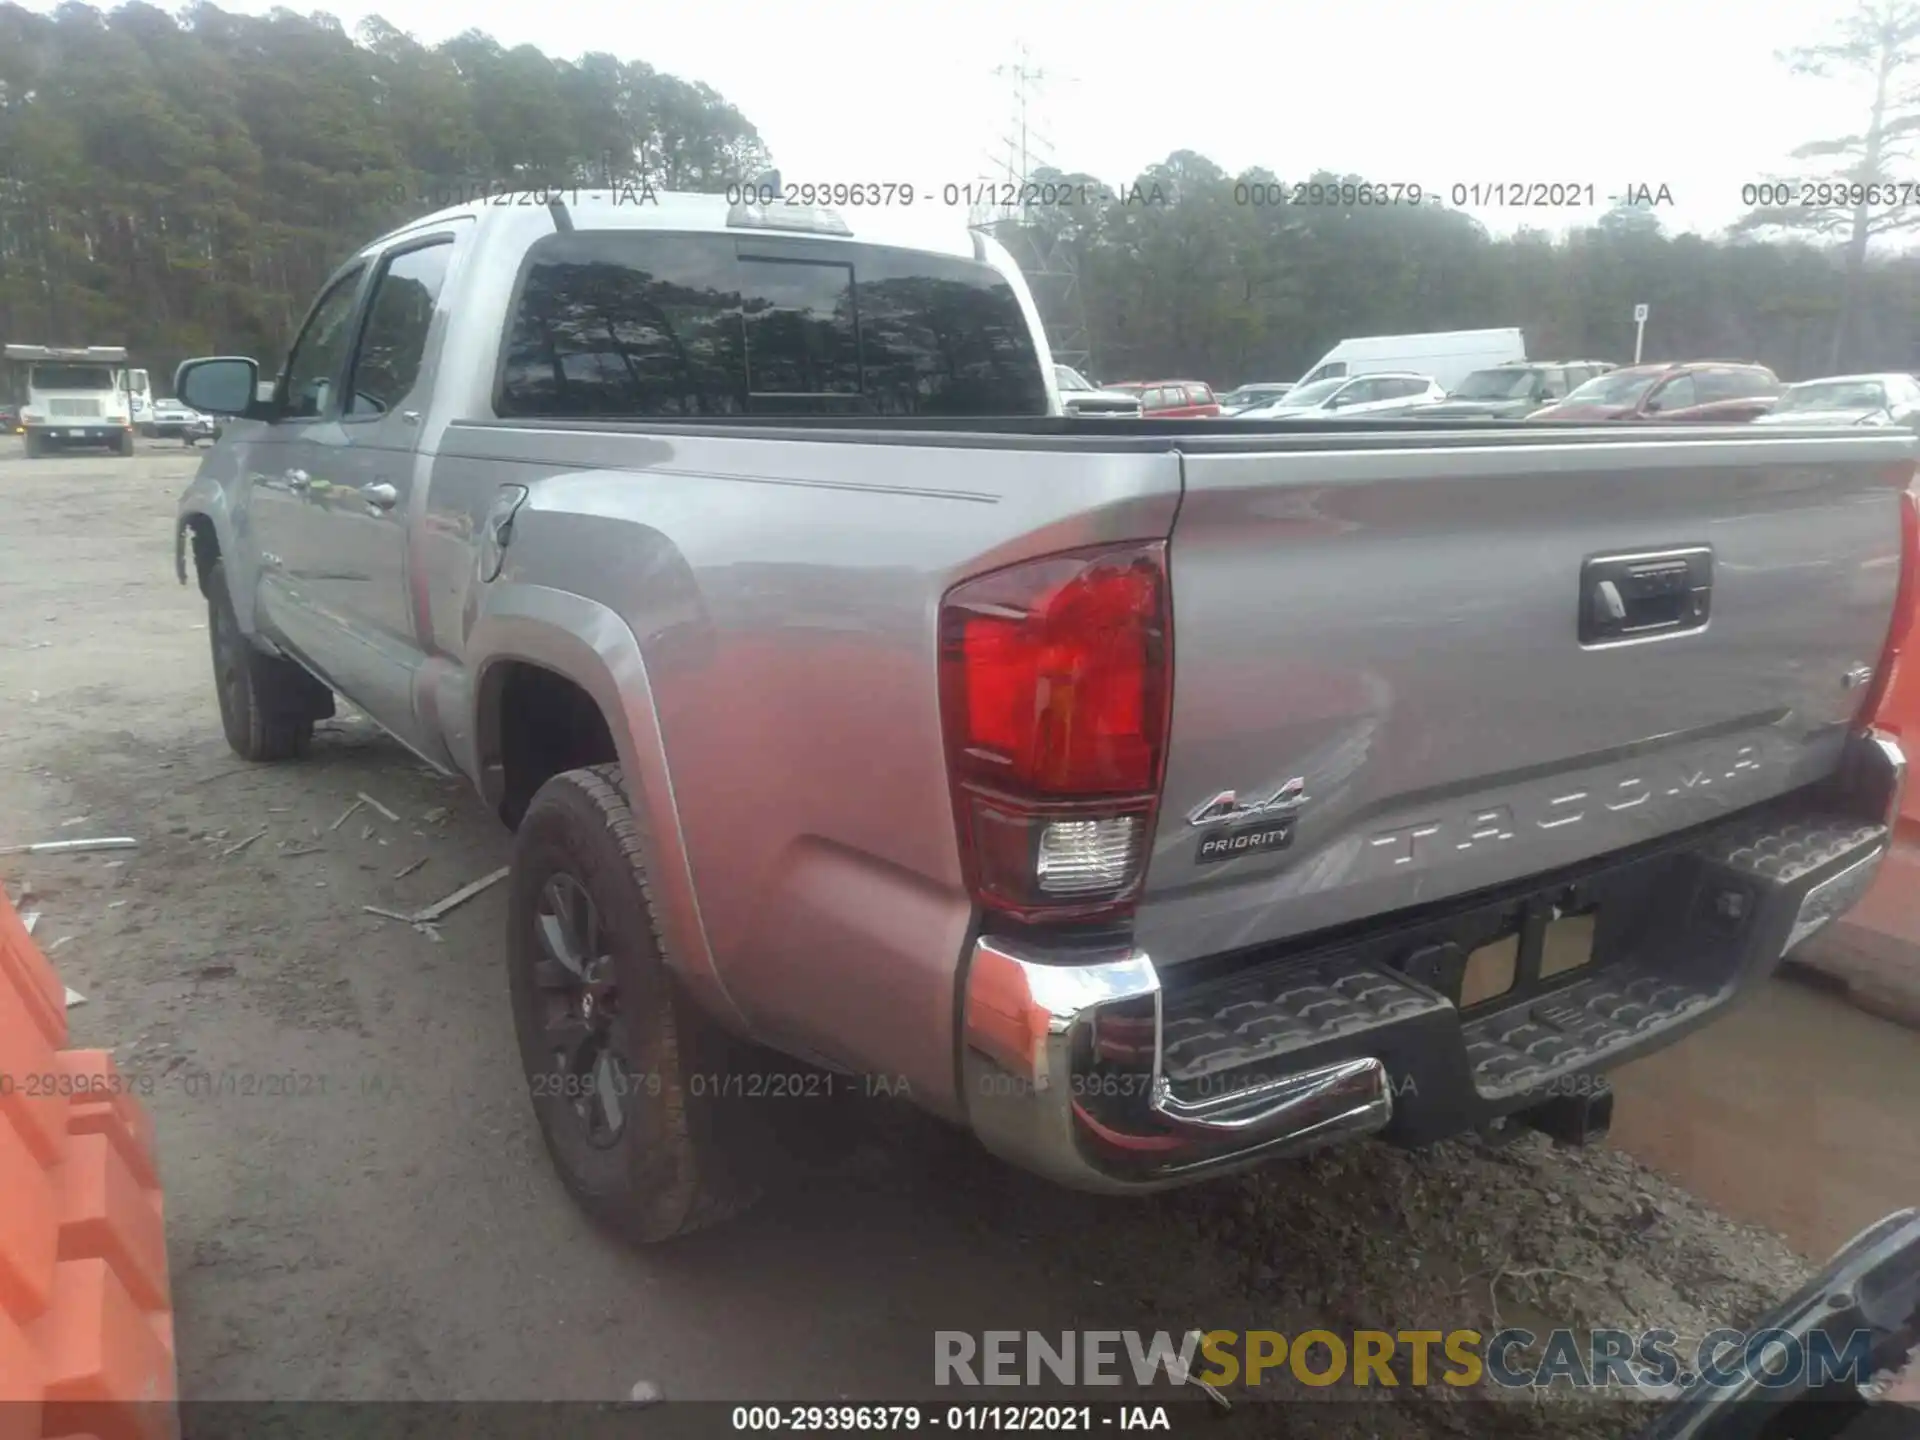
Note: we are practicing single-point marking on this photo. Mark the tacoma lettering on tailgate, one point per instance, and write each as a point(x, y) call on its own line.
point(1427, 842)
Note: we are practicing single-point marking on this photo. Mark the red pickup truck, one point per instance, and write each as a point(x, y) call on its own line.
point(1716, 391)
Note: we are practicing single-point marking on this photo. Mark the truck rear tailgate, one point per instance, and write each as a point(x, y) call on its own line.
point(1379, 652)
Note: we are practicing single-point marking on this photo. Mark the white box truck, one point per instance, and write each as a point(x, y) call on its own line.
point(1449, 356)
point(75, 395)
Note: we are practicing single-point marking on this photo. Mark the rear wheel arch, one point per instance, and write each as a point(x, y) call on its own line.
point(533, 722)
point(549, 643)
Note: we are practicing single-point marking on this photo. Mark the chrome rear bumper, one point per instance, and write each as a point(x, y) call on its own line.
point(1033, 1037)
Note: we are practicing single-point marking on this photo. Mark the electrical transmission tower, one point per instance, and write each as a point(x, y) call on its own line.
point(1012, 215)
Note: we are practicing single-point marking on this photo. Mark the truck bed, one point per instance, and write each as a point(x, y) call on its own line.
point(1387, 611)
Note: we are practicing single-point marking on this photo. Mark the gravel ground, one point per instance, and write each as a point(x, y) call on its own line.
point(358, 1203)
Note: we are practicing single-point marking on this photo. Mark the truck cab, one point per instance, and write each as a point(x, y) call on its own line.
point(75, 396)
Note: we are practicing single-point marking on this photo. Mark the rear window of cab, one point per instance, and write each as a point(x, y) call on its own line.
point(637, 324)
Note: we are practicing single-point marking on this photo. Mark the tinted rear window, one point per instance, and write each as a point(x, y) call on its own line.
point(646, 325)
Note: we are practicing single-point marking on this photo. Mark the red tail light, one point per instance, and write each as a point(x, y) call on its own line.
point(1875, 708)
point(1055, 680)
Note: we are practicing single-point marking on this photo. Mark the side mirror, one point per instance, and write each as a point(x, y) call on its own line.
point(1653, 405)
point(219, 385)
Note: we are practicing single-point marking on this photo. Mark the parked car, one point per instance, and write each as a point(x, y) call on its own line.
point(1511, 392)
point(1697, 390)
point(1887, 399)
point(170, 420)
point(1080, 396)
point(1172, 399)
point(1364, 394)
point(870, 755)
point(1245, 397)
point(10, 421)
point(1449, 356)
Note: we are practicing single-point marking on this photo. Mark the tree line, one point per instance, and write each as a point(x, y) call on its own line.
point(182, 183)
point(1215, 285)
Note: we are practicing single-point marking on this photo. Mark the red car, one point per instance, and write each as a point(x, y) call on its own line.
point(1172, 399)
point(1699, 390)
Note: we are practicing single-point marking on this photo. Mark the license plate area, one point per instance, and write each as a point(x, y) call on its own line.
point(1542, 948)
point(1620, 907)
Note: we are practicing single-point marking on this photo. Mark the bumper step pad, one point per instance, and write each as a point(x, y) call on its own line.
point(1784, 852)
point(1524, 1047)
point(1267, 1017)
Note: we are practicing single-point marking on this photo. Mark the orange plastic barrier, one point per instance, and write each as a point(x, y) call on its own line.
point(1900, 709)
point(86, 1314)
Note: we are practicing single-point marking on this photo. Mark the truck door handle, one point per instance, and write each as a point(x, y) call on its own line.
point(1643, 596)
point(381, 497)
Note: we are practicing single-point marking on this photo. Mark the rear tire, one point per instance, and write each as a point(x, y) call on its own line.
point(124, 445)
point(623, 1069)
point(36, 447)
point(267, 704)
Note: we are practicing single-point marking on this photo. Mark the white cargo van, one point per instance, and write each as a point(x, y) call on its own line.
point(1449, 356)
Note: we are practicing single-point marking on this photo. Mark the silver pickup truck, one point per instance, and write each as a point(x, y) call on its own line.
point(1150, 797)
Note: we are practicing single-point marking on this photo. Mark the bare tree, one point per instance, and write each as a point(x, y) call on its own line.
point(1864, 192)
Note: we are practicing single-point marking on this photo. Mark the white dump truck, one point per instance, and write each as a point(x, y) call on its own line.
point(76, 395)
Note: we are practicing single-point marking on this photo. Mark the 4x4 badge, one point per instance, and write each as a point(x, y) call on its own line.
point(1227, 806)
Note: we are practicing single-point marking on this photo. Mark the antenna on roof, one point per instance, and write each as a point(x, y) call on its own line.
point(562, 221)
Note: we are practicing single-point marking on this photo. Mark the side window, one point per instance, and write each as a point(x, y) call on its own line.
point(315, 362)
point(1555, 382)
point(394, 338)
point(1199, 395)
point(1677, 393)
point(1709, 385)
point(1404, 388)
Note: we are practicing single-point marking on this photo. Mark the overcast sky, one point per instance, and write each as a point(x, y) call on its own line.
point(1688, 94)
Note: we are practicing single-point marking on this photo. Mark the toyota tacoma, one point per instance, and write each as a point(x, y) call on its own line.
point(1151, 800)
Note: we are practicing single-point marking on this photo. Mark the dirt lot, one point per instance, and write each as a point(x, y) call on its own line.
point(390, 1227)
